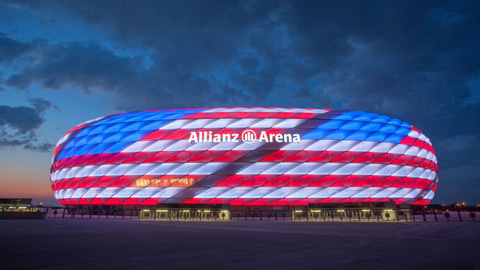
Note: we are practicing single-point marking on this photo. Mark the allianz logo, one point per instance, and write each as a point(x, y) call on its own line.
point(247, 136)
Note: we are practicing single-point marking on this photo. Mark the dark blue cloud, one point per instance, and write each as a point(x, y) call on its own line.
point(10, 48)
point(18, 125)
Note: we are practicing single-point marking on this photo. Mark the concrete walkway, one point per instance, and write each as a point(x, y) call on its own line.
point(137, 244)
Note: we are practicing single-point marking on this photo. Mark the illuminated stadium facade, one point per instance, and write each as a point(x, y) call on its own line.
point(243, 157)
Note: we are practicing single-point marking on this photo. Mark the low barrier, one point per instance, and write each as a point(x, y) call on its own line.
point(23, 215)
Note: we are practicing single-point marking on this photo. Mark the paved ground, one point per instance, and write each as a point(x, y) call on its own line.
point(135, 244)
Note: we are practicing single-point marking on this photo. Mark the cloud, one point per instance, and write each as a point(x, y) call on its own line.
point(199, 54)
point(44, 147)
point(41, 105)
point(11, 49)
point(18, 125)
point(21, 118)
point(83, 66)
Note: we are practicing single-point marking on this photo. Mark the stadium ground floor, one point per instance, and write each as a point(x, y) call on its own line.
point(379, 211)
point(223, 212)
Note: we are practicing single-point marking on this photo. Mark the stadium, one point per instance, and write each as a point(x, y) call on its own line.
point(216, 157)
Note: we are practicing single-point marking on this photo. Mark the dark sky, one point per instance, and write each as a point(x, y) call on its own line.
point(64, 62)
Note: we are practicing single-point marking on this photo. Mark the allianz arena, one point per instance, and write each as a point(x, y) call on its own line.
point(191, 156)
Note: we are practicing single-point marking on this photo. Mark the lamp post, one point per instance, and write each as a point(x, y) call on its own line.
point(457, 206)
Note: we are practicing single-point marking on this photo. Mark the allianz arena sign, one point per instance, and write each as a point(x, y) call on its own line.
point(247, 136)
point(244, 156)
